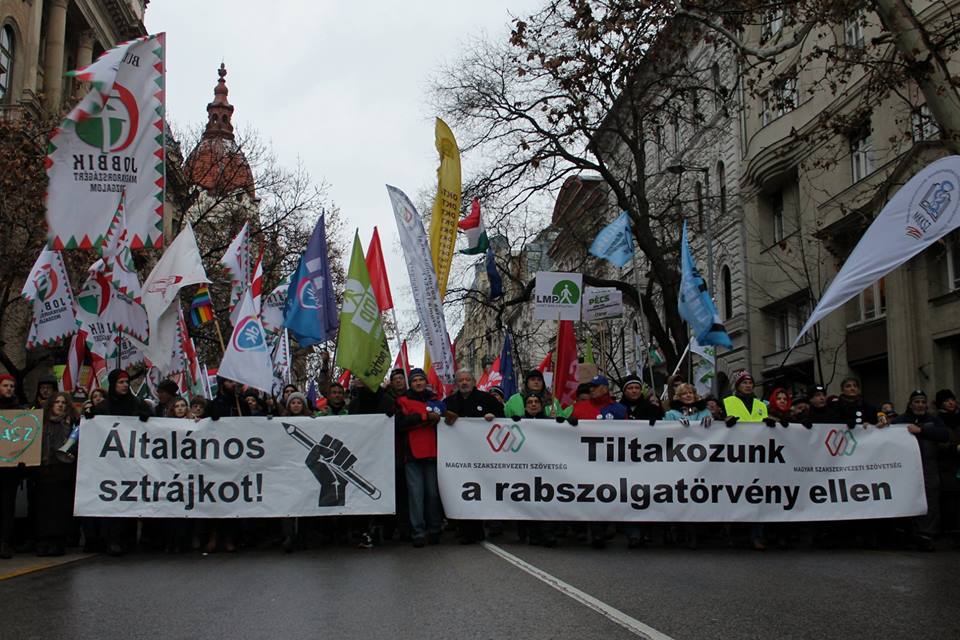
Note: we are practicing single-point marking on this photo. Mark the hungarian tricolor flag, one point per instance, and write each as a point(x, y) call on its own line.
point(472, 227)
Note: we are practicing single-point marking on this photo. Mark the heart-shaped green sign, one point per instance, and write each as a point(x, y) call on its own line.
point(18, 431)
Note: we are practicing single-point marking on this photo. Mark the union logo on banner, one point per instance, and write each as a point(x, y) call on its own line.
point(934, 204)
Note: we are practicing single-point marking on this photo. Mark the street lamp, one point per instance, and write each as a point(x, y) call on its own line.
point(679, 170)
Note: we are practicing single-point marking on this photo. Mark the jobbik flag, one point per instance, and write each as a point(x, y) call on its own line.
point(247, 358)
point(111, 142)
point(361, 343)
point(235, 467)
point(423, 282)
point(531, 470)
point(48, 289)
point(694, 302)
point(919, 214)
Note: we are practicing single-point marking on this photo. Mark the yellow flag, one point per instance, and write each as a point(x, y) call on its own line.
point(446, 205)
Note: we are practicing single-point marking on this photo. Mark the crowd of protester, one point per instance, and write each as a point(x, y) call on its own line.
point(417, 411)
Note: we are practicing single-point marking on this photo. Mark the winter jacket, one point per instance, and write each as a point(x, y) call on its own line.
point(10, 404)
point(642, 409)
point(475, 404)
point(827, 414)
point(55, 434)
point(692, 412)
point(387, 401)
point(411, 421)
point(120, 405)
point(363, 401)
point(933, 432)
point(853, 410)
point(603, 408)
point(737, 405)
point(514, 407)
point(328, 410)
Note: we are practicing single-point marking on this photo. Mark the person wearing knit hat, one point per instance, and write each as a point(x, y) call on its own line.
point(638, 406)
point(297, 405)
point(931, 434)
point(742, 405)
point(497, 393)
point(534, 383)
point(416, 372)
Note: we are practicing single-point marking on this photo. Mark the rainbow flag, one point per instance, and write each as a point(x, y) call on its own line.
point(201, 309)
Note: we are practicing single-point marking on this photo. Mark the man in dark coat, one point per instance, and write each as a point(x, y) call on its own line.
point(638, 407)
point(949, 463)
point(930, 432)
point(469, 402)
point(227, 404)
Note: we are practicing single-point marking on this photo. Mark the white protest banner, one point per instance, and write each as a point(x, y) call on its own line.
point(618, 471)
point(235, 467)
point(556, 295)
point(602, 303)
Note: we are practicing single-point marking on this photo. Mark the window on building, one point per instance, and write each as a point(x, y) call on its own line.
point(787, 322)
point(6, 60)
point(853, 30)
point(923, 125)
point(781, 98)
point(698, 195)
point(861, 153)
point(772, 23)
point(717, 88)
point(726, 281)
point(777, 216)
point(722, 180)
point(871, 303)
point(953, 261)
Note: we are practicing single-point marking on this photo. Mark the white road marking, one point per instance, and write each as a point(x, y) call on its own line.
point(614, 615)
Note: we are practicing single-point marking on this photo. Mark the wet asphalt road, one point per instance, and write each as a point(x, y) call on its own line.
point(451, 591)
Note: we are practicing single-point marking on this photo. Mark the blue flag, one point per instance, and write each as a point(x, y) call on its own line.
point(312, 396)
point(695, 305)
point(614, 243)
point(508, 379)
point(311, 309)
point(496, 283)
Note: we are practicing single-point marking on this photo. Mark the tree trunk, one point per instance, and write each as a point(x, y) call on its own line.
point(925, 66)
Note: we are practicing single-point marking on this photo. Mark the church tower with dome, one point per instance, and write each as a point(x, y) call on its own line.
point(217, 168)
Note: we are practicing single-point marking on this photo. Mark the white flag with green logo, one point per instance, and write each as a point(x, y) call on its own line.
point(112, 141)
point(361, 343)
point(556, 296)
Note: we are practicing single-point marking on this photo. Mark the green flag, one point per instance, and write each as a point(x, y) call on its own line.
point(361, 344)
point(588, 350)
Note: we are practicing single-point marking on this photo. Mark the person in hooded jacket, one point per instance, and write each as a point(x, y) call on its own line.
point(46, 387)
point(10, 477)
point(778, 406)
point(534, 383)
point(930, 432)
point(117, 532)
point(416, 418)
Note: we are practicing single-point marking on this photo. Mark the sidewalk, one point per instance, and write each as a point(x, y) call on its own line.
point(24, 563)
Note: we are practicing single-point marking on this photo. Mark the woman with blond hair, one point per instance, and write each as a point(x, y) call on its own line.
point(687, 407)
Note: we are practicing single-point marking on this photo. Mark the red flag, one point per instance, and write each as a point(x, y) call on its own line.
point(344, 379)
point(546, 364)
point(490, 378)
point(565, 378)
point(403, 360)
point(442, 390)
point(378, 274)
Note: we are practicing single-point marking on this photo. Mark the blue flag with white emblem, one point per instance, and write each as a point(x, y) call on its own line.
point(614, 243)
point(695, 305)
point(496, 282)
point(311, 309)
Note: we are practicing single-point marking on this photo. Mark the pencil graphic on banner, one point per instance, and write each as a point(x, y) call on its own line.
point(349, 474)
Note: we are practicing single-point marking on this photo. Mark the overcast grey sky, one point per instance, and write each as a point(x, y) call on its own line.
point(340, 84)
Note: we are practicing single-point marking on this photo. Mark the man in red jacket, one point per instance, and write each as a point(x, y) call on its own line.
point(416, 422)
